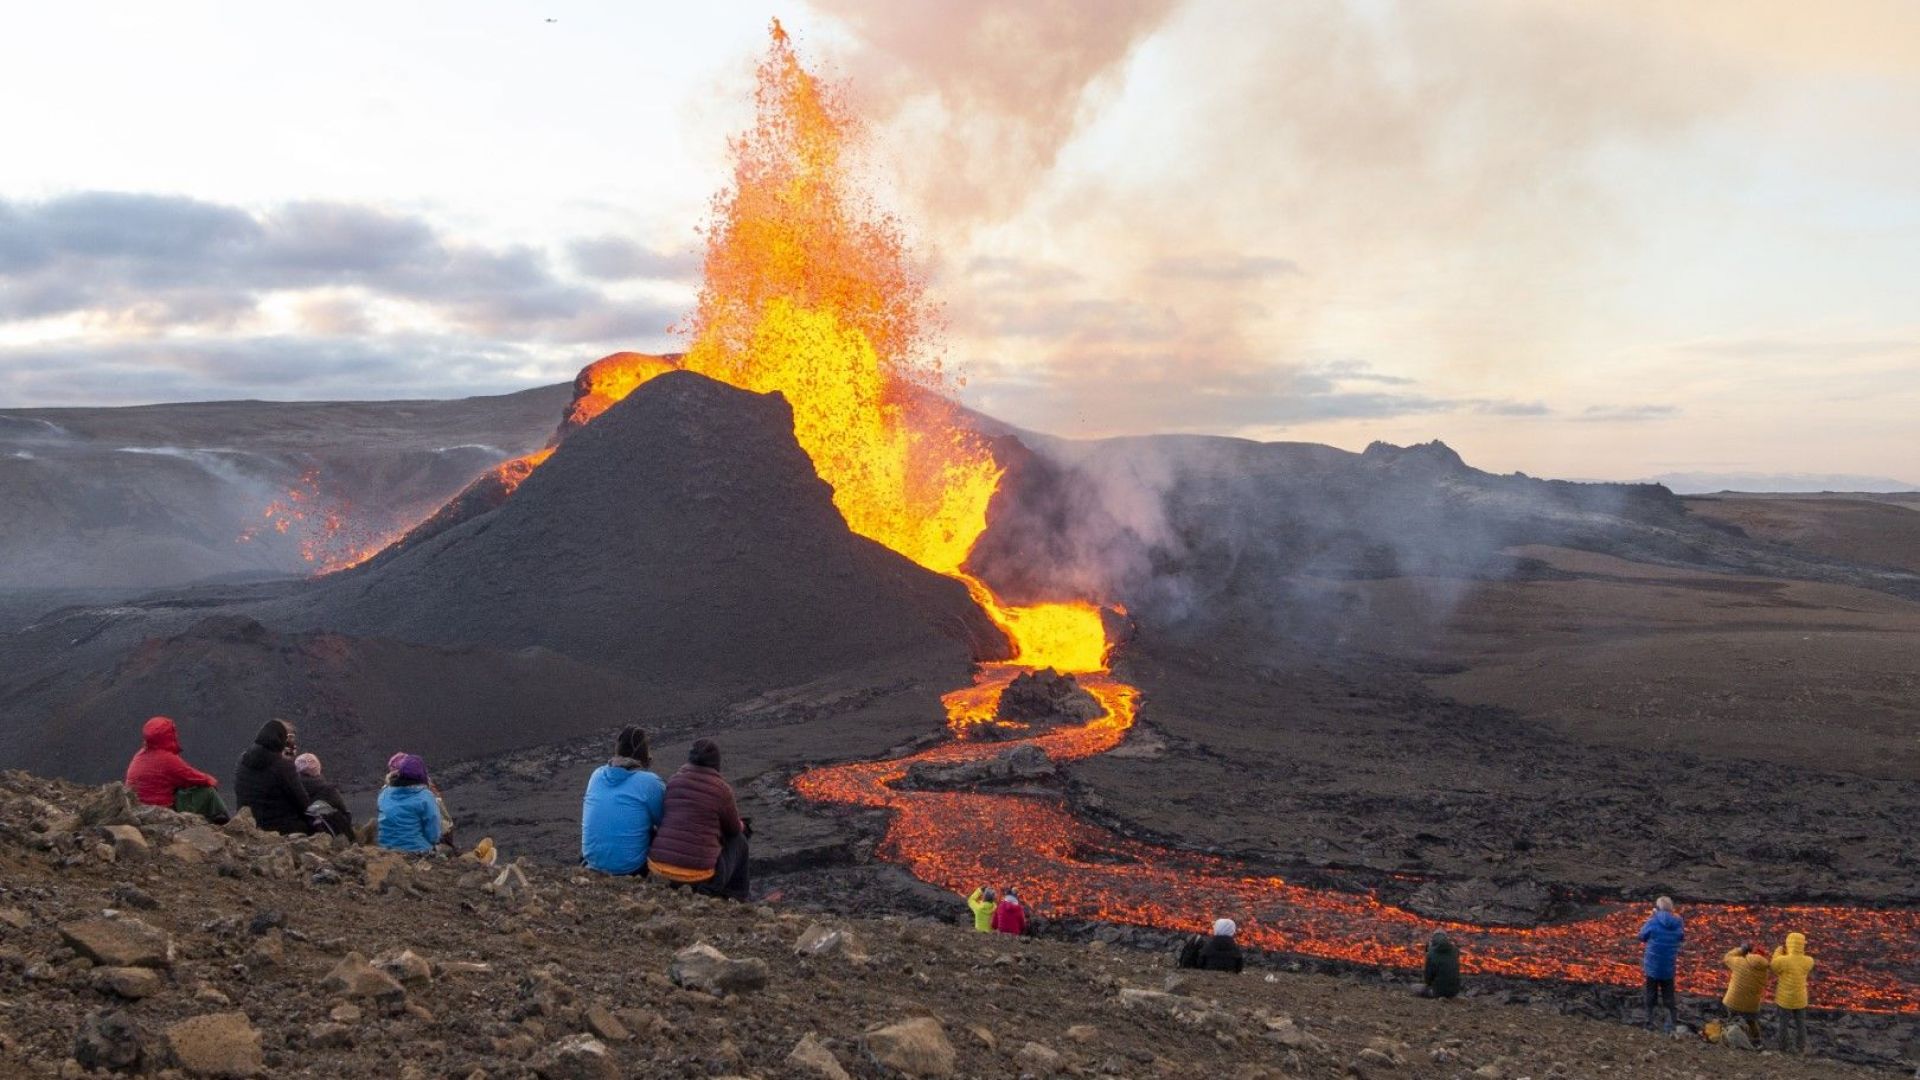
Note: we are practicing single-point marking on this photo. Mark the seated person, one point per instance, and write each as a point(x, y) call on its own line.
point(328, 811)
point(1220, 952)
point(159, 776)
point(702, 839)
point(621, 808)
point(1441, 977)
point(269, 785)
point(409, 818)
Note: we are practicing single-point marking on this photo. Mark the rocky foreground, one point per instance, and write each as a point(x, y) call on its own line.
point(134, 940)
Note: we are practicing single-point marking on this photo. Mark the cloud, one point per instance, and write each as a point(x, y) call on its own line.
point(613, 258)
point(1627, 414)
point(151, 264)
point(135, 371)
point(1222, 267)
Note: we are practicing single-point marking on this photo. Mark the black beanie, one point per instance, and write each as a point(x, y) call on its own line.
point(705, 753)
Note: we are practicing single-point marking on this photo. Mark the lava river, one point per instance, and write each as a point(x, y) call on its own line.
point(1072, 869)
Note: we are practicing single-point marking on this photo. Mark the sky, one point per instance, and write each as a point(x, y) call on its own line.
point(1583, 238)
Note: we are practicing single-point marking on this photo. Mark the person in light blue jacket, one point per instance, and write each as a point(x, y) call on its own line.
point(621, 809)
point(409, 813)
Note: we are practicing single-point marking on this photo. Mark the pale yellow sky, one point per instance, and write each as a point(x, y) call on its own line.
point(1592, 238)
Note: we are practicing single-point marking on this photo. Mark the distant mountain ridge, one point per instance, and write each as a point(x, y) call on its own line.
point(1704, 483)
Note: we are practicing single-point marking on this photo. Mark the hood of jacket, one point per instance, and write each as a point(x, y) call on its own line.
point(1665, 920)
point(161, 734)
point(270, 743)
point(1796, 944)
point(1443, 948)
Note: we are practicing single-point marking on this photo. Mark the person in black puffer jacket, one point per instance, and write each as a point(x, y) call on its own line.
point(1220, 952)
point(269, 785)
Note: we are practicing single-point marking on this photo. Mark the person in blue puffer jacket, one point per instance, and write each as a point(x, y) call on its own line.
point(409, 813)
point(1662, 934)
point(621, 809)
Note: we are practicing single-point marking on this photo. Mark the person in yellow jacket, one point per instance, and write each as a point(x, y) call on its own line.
point(1745, 986)
point(982, 904)
point(1790, 967)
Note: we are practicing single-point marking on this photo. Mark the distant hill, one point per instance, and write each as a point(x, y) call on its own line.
point(1703, 483)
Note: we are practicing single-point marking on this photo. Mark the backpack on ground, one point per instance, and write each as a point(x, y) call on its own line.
point(1190, 952)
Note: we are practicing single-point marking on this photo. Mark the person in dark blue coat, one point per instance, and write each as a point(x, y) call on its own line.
point(621, 809)
point(1662, 934)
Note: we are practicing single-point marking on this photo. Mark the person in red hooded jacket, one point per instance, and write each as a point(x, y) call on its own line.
point(159, 776)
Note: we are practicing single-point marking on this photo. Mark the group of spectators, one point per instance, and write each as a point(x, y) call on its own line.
point(685, 830)
point(287, 791)
point(688, 831)
point(1749, 967)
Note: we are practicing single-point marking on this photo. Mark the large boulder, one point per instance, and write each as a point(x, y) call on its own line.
point(122, 942)
point(916, 1047)
point(217, 1045)
point(110, 1040)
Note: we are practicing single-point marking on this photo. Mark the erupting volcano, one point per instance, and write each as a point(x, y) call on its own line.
point(809, 291)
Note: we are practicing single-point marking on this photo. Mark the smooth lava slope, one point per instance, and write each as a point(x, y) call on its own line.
point(959, 839)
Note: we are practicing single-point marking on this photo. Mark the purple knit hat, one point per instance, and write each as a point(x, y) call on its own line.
point(408, 767)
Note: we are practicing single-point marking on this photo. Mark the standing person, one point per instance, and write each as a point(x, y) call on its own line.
point(1747, 980)
point(1662, 934)
point(981, 904)
point(1010, 917)
point(326, 809)
point(702, 840)
point(1441, 976)
point(623, 805)
point(269, 785)
point(159, 776)
point(1220, 952)
point(409, 817)
point(1790, 966)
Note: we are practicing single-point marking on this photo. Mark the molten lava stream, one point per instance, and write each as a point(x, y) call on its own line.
point(960, 840)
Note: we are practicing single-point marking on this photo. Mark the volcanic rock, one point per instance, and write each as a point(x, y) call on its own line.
point(1020, 764)
point(113, 804)
point(819, 940)
point(703, 967)
point(121, 942)
point(132, 983)
point(355, 978)
point(1039, 1058)
point(814, 1058)
point(916, 1047)
point(108, 1040)
point(1046, 697)
point(578, 1057)
point(216, 1045)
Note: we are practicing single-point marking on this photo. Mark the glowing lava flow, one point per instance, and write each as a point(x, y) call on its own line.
point(960, 840)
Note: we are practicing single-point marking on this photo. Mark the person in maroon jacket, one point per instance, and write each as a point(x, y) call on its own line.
point(159, 776)
point(1011, 916)
point(702, 839)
